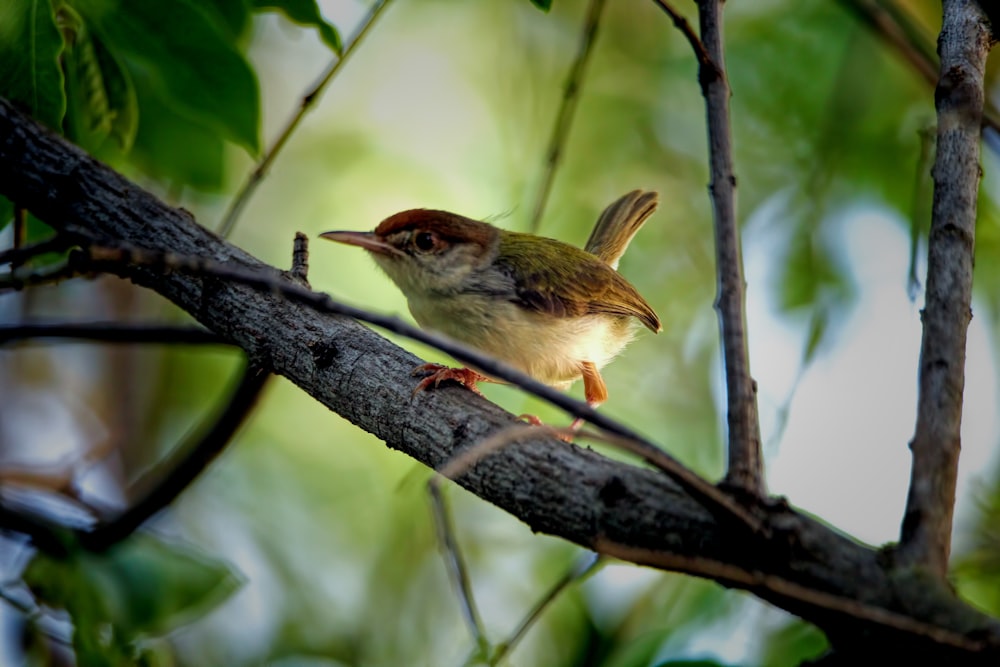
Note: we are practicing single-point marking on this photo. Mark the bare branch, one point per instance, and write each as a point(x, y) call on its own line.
point(746, 467)
point(847, 609)
point(584, 566)
point(246, 191)
point(184, 465)
point(20, 225)
point(885, 19)
point(300, 260)
point(704, 60)
point(109, 332)
point(124, 261)
point(20, 254)
point(567, 109)
point(454, 561)
point(552, 486)
point(926, 531)
point(49, 275)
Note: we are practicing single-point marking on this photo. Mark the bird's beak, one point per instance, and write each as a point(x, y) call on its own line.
point(366, 240)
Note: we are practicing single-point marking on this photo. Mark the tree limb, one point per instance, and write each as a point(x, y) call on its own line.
point(964, 45)
point(553, 487)
point(746, 467)
point(883, 19)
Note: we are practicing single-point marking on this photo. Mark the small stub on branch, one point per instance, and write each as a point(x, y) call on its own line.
point(300, 259)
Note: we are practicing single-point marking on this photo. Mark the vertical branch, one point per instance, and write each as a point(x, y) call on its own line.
point(20, 232)
point(571, 94)
point(745, 470)
point(964, 43)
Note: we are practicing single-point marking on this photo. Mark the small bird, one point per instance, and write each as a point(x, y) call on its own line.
point(547, 308)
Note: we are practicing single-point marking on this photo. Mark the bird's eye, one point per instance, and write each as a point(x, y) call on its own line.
point(424, 241)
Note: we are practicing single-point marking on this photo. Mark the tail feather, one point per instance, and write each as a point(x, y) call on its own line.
point(618, 224)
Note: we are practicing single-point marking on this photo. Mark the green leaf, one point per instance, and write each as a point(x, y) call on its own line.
point(6, 212)
point(793, 644)
point(102, 101)
point(818, 323)
point(170, 147)
point(35, 230)
point(30, 45)
point(231, 15)
point(304, 12)
point(544, 5)
point(191, 61)
point(142, 586)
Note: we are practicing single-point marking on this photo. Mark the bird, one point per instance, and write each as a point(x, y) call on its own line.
point(552, 310)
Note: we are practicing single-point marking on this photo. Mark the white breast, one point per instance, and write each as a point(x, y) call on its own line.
point(548, 349)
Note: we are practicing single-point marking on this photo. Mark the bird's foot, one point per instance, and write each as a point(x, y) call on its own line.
point(561, 434)
point(437, 373)
point(531, 419)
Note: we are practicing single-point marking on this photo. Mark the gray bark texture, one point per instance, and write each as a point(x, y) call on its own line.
point(745, 470)
point(964, 44)
point(849, 590)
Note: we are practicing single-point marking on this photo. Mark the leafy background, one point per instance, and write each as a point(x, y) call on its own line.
point(309, 543)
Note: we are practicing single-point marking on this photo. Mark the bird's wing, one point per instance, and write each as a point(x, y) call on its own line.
point(565, 281)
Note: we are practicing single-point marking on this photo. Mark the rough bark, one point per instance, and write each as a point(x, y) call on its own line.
point(926, 532)
point(745, 469)
point(801, 565)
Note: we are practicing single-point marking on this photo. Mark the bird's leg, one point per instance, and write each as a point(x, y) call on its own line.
point(594, 389)
point(439, 373)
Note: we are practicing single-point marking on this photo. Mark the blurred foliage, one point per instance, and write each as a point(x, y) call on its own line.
point(977, 571)
point(449, 105)
point(140, 588)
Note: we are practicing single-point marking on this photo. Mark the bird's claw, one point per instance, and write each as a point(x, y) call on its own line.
point(535, 421)
point(437, 373)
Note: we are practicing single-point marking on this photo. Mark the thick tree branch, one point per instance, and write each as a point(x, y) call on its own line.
point(554, 487)
point(964, 44)
point(746, 467)
point(123, 261)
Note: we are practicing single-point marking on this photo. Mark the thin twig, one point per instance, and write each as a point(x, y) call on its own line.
point(455, 564)
point(583, 568)
point(110, 332)
point(18, 280)
point(704, 60)
point(20, 254)
point(45, 534)
point(884, 18)
point(965, 43)
point(567, 109)
point(184, 466)
point(745, 470)
point(770, 586)
point(243, 195)
point(124, 261)
point(20, 231)
point(300, 260)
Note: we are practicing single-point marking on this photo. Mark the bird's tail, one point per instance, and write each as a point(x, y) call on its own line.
point(618, 224)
